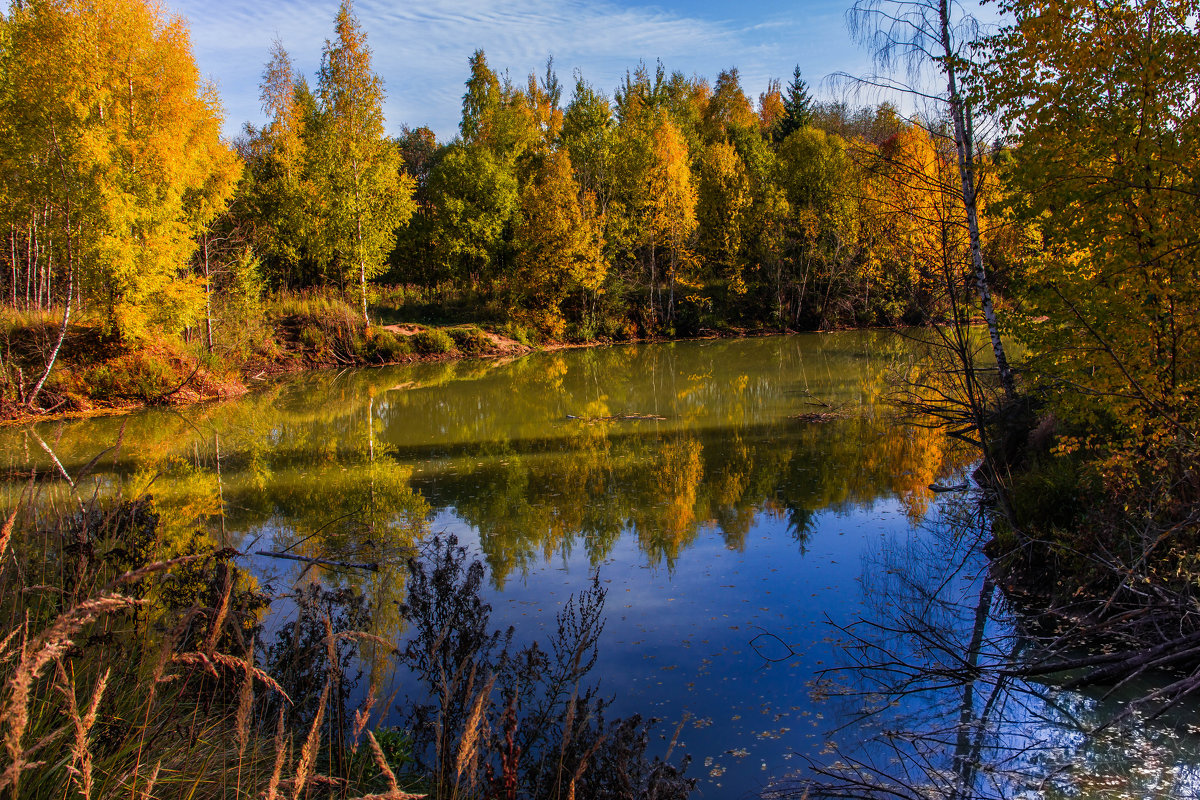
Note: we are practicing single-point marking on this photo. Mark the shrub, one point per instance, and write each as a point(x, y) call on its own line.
point(312, 336)
point(433, 342)
point(390, 347)
point(519, 333)
point(551, 723)
point(141, 375)
point(470, 340)
point(1048, 496)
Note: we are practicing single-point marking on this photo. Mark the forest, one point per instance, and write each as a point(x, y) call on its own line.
point(674, 208)
point(1038, 217)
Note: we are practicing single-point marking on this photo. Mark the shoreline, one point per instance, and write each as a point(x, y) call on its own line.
point(258, 374)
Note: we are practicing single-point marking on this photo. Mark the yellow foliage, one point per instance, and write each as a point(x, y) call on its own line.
point(109, 103)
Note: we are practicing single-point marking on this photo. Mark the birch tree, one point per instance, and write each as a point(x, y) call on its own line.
point(937, 36)
point(114, 141)
point(367, 192)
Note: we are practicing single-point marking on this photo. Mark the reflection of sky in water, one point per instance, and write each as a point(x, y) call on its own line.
point(679, 642)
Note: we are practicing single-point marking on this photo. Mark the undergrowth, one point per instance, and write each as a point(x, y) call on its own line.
point(135, 662)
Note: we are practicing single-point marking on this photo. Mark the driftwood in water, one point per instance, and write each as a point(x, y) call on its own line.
point(617, 418)
point(821, 416)
point(371, 566)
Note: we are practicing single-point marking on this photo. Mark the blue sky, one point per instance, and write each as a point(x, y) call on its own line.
point(421, 49)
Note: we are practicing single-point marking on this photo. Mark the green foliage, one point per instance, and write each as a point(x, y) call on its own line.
point(312, 336)
point(1050, 496)
point(432, 342)
point(389, 347)
point(365, 192)
point(397, 748)
point(797, 108)
point(520, 334)
point(476, 196)
point(470, 340)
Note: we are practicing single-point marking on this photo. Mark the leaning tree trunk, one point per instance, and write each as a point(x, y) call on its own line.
point(62, 333)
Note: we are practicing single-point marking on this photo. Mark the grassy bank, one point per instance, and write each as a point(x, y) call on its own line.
point(98, 372)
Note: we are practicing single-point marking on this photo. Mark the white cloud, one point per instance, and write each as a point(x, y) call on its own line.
point(421, 50)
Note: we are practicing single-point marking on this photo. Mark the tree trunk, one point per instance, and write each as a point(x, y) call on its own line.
point(208, 329)
point(965, 146)
point(362, 263)
point(62, 334)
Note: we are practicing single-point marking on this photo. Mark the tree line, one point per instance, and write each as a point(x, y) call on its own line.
point(671, 202)
point(670, 206)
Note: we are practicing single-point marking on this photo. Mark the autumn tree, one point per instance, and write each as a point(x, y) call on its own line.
point(497, 117)
point(817, 178)
point(670, 208)
point(770, 108)
point(1102, 99)
point(113, 137)
point(728, 109)
point(415, 258)
point(279, 199)
point(368, 195)
point(723, 199)
point(558, 240)
point(935, 40)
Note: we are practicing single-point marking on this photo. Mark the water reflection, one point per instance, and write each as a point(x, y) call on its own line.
point(543, 455)
point(935, 706)
point(723, 488)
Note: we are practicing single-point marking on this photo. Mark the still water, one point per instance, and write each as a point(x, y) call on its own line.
point(746, 504)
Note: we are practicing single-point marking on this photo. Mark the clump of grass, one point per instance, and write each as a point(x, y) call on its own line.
point(433, 342)
point(470, 340)
point(327, 328)
point(388, 347)
point(519, 333)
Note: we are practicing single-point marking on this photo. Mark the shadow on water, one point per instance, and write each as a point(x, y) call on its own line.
point(935, 702)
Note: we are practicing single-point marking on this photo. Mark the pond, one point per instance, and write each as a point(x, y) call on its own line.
point(746, 504)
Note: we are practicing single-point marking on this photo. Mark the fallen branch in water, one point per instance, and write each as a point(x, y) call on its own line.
point(617, 418)
point(821, 416)
point(371, 566)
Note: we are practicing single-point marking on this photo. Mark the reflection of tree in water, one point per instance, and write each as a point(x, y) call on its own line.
point(493, 442)
point(595, 482)
point(800, 524)
point(939, 709)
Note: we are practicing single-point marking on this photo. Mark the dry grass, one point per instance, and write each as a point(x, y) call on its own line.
point(469, 744)
point(38, 652)
point(96, 698)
